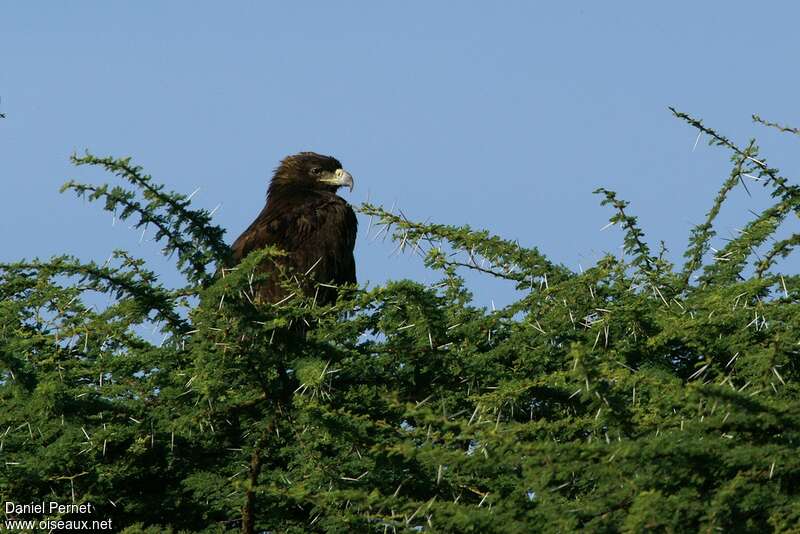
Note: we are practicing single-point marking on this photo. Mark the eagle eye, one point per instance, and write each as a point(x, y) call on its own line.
point(316, 171)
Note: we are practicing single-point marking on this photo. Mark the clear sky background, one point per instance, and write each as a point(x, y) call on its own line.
point(501, 115)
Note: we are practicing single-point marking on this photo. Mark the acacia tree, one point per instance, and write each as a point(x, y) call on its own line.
point(636, 395)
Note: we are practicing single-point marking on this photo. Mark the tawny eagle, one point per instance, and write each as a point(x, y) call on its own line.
point(307, 219)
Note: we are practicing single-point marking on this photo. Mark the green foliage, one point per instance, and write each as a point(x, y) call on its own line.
point(623, 398)
point(187, 232)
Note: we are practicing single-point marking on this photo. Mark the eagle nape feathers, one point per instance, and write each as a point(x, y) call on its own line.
point(306, 219)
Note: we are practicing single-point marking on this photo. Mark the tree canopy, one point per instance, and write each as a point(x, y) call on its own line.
point(637, 395)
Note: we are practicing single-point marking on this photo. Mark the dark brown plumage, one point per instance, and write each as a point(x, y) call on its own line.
point(307, 219)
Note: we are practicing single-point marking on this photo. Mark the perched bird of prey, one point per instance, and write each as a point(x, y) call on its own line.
point(307, 219)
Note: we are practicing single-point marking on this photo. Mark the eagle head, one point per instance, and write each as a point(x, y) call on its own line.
point(310, 171)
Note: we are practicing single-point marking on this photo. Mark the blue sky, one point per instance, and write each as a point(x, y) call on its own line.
point(503, 116)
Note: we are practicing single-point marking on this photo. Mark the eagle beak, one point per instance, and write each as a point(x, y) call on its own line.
point(341, 178)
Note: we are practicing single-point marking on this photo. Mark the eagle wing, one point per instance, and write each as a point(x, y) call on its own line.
point(318, 234)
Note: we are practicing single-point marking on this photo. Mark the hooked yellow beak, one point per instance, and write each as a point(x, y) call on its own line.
point(340, 178)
